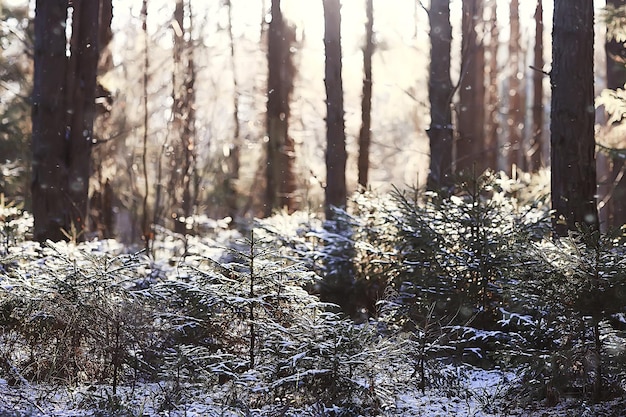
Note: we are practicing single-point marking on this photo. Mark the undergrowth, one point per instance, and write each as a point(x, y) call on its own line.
point(399, 293)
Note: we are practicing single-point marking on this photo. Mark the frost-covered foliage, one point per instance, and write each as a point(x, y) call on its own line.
point(571, 301)
point(400, 296)
point(249, 324)
point(15, 224)
point(75, 314)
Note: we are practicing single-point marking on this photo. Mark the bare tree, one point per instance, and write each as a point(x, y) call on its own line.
point(281, 181)
point(183, 82)
point(366, 101)
point(572, 117)
point(516, 98)
point(536, 144)
point(235, 147)
point(63, 113)
point(492, 125)
point(336, 156)
point(616, 78)
point(146, 228)
point(470, 148)
point(440, 94)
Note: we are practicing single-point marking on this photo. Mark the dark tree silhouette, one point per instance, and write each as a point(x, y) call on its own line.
point(336, 193)
point(616, 78)
point(572, 117)
point(536, 142)
point(492, 108)
point(516, 97)
point(63, 113)
point(440, 94)
point(366, 102)
point(470, 148)
point(281, 181)
point(184, 112)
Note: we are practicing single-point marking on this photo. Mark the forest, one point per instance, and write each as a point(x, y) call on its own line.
point(313, 208)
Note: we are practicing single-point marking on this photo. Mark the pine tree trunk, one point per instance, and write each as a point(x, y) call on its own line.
point(49, 178)
point(471, 154)
point(616, 78)
point(492, 94)
point(235, 148)
point(80, 106)
point(183, 80)
point(366, 102)
point(572, 117)
point(536, 145)
point(63, 115)
point(516, 103)
point(440, 94)
point(336, 193)
point(281, 182)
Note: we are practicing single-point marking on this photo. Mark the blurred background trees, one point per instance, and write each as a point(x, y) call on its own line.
point(236, 115)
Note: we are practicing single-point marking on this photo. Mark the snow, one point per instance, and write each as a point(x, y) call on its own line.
point(478, 393)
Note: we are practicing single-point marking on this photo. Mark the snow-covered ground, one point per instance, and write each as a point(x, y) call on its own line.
point(481, 393)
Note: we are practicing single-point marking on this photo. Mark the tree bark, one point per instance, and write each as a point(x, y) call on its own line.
point(184, 77)
point(516, 102)
point(573, 117)
point(336, 156)
point(366, 102)
point(63, 115)
point(80, 107)
point(536, 145)
point(471, 153)
point(492, 125)
point(440, 93)
point(49, 179)
point(281, 182)
point(235, 148)
point(616, 78)
point(146, 228)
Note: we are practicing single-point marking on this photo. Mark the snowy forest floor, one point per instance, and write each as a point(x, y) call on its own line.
point(480, 393)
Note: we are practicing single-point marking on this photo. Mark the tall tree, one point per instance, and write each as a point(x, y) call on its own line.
point(336, 156)
point(616, 78)
point(63, 113)
point(235, 148)
point(516, 102)
point(470, 148)
point(281, 181)
point(492, 108)
point(366, 99)
point(536, 142)
point(572, 117)
point(101, 196)
point(184, 78)
point(440, 94)
point(146, 229)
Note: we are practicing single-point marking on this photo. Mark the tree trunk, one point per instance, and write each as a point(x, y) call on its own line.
point(80, 107)
point(100, 202)
point(440, 93)
point(235, 148)
point(146, 228)
point(536, 145)
point(335, 192)
point(572, 117)
point(366, 102)
point(281, 182)
point(471, 154)
point(492, 94)
point(63, 115)
point(516, 102)
point(49, 179)
point(616, 78)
